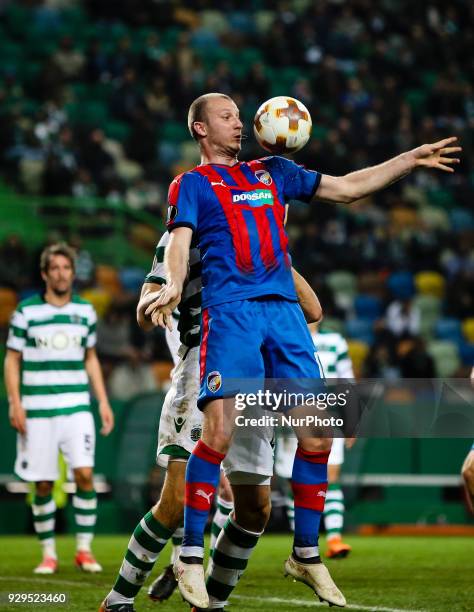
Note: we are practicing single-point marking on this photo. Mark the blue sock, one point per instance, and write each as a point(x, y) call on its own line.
point(202, 478)
point(309, 483)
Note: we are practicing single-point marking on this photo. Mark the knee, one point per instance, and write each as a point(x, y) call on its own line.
point(84, 478)
point(254, 518)
point(44, 488)
point(217, 439)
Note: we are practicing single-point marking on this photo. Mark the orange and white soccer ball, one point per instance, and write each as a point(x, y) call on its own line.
point(282, 125)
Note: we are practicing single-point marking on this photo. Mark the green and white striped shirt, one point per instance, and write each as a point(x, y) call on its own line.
point(333, 354)
point(53, 342)
point(189, 314)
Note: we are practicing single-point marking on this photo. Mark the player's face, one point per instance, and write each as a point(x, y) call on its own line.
point(223, 125)
point(59, 276)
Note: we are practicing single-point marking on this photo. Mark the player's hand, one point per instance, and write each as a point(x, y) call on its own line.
point(162, 306)
point(106, 417)
point(17, 416)
point(437, 155)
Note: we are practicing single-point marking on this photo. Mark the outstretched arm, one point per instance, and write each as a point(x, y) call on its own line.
point(356, 185)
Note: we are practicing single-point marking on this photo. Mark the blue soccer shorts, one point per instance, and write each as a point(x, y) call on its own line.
point(258, 339)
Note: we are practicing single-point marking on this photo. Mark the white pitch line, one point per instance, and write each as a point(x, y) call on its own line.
point(314, 604)
point(48, 581)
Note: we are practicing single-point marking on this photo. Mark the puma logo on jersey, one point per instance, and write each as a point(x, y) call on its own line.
point(207, 496)
point(321, 494)
point(222, 184)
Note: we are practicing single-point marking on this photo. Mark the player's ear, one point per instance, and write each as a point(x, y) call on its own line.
point(200, 128)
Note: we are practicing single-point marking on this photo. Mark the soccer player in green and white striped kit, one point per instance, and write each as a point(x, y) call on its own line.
point(335, 363)
point(50, 360)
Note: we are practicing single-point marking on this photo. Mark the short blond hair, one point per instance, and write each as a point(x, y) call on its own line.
point(197, 110)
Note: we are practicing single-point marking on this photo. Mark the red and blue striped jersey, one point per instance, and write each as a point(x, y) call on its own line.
point(237, 213)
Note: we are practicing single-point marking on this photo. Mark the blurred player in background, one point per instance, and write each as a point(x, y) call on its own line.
point(336, 363)
point(236, 209)
point(50, 360)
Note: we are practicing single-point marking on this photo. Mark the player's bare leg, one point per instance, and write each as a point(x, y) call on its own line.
point(147, 541)
point(44, 510)
point(468, 476)
point(334, 517)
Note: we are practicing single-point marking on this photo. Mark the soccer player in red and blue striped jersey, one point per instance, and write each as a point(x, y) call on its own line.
point(253, 326)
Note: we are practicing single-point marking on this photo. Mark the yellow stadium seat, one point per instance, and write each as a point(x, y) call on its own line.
point(430, 283)
point(468, 329)
point(99, 298)
point(402, 218)
point(8, 302)
point(107, 278)
point(358, 352)
point(162, 372)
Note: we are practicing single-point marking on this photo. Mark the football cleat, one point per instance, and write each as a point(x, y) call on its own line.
point(163, 587)
point(337, 549)
point(124, 607)
point(191, 583)
point(49, 565)
point(317, 577)
point(86, 562)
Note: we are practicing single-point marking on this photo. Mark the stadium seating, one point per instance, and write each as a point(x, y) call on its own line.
point(8, 301)
point(343, 285)
point(401, 285)
point(448, 329)
point(466, 352)
point(99, 298)
point(446, 357)
point(430, 283)
point(358, 352)
point(360, 329)
point(368, 307)
point(132, 279)
point(107, 277)
point(430, 310)
point(468, 329)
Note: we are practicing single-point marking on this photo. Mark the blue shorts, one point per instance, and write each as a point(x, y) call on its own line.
point(254, 339)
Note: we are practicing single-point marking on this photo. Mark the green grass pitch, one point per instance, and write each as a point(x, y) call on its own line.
point(382, 574)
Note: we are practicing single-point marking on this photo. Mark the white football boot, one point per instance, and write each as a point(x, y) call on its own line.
point(317, 577)
point(191, 583)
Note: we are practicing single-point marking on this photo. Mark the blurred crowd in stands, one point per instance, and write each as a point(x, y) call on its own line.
point(93, 102)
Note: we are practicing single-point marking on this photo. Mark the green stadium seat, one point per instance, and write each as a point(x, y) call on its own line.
point(430, 311)
point(446, 357)
point(117, 130)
